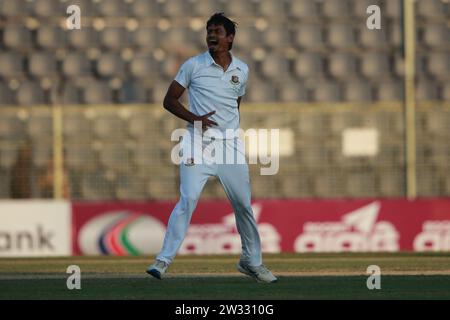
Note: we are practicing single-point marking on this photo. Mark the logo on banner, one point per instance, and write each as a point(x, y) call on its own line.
point(358, 230)
point(435, 236)
point(223, 238)
point(121, 233)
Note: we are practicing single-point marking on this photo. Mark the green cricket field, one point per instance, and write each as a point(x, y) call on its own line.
point(301, 276)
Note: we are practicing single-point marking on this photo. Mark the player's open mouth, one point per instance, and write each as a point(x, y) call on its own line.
point(212, 42)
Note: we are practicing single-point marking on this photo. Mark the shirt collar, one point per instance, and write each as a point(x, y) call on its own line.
point(210, 61)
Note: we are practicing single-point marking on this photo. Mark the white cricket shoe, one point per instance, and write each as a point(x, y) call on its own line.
point(157, 269)
point(259, 273)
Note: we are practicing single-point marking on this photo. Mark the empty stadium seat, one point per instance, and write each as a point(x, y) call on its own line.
point(131, 187)
point(110, 65)
point(97, 185)
point(176, 8)
point(42, 154)
point(436, 123)
point(238, 8)
point(71, 94)
point(303, 9)
point(432, 9)
point(109, 126)
point(76, 64)
point(14, 8)
point(206, 8)
point(49, 8)
point(270, 8)
point(436, 35)
point(390, 91)
point(439, 65)
point(373, 39)
point(309, 36)
point(159, 91)
point(114, 156)
point(180, 37)
point(336, 9)
point(169, 67)
point(143, 65)
point(375, 65)
point(11, 127)
point(309, 65)
point(11, 64)
point(76, 127)
point(162, 187)
point(293, 92)
point(147, 37)
point(338, 122)
point(427, 90)
point(17, 37)
point(446, 91)
point(140, 126)
point(247, 37)
point(115, 38)
point(133, 92)
point(42, 64)
point(112, 8)
point(341, 35)
point(342, 65)
point(327, 92)
point(51, 37)
point(259, 91)
point(30, 93)
point(145, 9)
point(147, 152)
point(8, 155)
point(97, 92)
point(6, 95)
point(393, 9)
point(358, 91)
point(277, 36)
point(83, 38)
point(275, 66)
point(395, 36)
point(40, 126)
point(79, 156)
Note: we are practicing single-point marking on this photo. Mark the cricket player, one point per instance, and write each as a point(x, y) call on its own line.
point(216, 82)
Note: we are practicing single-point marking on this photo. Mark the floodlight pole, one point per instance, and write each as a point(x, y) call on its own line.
point(410, 104)
point(58, 168)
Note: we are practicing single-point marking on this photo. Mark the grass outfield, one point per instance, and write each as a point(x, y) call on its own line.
point(301, 276)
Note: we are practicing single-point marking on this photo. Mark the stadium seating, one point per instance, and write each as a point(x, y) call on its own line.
point(300, 52)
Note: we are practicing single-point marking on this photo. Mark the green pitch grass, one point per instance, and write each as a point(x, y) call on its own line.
point(301, 276)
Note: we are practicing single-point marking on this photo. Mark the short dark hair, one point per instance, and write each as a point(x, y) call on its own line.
point(219, 19)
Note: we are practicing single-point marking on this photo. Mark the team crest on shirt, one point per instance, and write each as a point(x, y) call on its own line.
point(234, 80)
point(189, 162)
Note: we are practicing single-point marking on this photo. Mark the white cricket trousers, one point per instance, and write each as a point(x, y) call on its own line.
point(234, 178)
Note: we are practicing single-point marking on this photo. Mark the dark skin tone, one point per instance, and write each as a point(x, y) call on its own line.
point(218, 45)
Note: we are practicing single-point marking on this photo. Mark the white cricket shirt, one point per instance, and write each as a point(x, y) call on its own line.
point(211, 88)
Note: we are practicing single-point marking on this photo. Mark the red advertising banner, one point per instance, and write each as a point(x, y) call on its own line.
point(285, 226)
